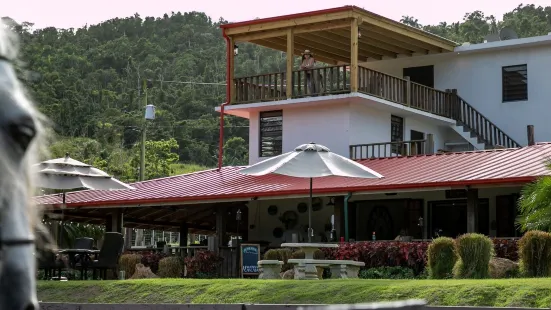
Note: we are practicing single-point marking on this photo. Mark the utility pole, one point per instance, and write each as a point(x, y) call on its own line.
point(142, 153)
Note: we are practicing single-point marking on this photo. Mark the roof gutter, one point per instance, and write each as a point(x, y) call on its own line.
point(229, 50)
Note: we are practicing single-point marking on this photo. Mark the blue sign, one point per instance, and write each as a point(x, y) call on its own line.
point(250, 255)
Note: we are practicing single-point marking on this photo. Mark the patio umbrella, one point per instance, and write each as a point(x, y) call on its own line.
point(66, 173)
point(311, 161)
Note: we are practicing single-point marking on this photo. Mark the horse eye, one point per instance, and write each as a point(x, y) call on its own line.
point(22, 131)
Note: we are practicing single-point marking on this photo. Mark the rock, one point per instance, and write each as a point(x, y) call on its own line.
point(143, 272)
point(502, 268)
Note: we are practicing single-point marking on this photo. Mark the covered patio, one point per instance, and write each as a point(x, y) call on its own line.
point(424, 195)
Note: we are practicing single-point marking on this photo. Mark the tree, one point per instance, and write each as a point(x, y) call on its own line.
point(534, 205)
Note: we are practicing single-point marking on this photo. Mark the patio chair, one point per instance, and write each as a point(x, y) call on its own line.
point(47, 261)
point(109, 255)
point(84, 244)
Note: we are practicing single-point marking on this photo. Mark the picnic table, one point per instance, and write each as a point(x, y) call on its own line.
point(308, 263)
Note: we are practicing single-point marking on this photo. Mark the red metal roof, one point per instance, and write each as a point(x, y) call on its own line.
point(439, 170)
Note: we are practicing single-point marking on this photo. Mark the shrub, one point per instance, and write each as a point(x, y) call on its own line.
point(395, 273)
point(170, 267)
point(506, 248)
point(280, 255)
point(152, 259)
point(204, 264)
point(383, 254)
point(128, 263)
point(475, 252)
point(441, 258)
point(535, 254)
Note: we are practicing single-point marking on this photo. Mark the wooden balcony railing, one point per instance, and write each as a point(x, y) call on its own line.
point(266, 87)
point(404, 92)
point(486, 131)
point(321, 81)
point(336, 80)
point(392, 149)
point(270, 87)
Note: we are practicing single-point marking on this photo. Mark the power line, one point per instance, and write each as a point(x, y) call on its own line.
point(194, 83)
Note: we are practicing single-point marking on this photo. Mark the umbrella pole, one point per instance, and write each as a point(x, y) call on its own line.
point(310, 230)
point(61, 224)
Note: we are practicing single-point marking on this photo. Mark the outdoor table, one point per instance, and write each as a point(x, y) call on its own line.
point(309, 249)
point(84, 256)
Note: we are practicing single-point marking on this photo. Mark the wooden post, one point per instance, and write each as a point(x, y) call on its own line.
point(338, 212)
point(455, 107)
point(290, 62)
point(408, 90)
point(472, 210)
point(232, 72)
point(354, 55)
point(429, 144)
point(531, 138)
point(221, 218)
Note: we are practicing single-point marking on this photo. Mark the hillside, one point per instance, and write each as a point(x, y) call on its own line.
point(88, 81)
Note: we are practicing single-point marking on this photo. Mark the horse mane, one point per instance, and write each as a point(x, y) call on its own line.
point(12, 89)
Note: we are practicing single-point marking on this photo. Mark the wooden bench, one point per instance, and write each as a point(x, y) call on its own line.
point(269, 269)
point(340, 269)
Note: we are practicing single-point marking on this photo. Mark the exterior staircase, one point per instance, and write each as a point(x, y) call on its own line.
point(477, 130)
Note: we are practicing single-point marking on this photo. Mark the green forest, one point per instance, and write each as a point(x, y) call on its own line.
point(89, 83)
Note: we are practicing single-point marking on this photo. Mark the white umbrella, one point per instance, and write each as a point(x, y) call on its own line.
point(66, 173)
point(311, 161)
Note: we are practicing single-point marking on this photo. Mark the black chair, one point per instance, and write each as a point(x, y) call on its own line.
point(108, 257)
point(47, 261)
point(84, 243)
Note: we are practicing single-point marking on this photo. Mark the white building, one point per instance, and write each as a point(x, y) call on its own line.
point(389, 91)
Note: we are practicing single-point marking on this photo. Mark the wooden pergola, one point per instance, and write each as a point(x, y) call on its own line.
point(344, 35)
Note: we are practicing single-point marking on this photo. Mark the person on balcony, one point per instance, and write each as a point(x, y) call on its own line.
point(308, 63)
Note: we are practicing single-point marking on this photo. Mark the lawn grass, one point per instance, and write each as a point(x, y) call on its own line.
point(496, 293)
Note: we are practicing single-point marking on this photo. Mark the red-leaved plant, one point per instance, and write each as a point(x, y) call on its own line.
point(151, 260)
point(506, 248)
point(204, 264)
point(383, 254)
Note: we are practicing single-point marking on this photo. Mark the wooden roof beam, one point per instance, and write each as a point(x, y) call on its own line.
point(333, 47)
point(323, 53)
point(382, 34)
point(300, 21)
point(298, 51)
point(334, 24)
point(343, 44)
point(404, 30)
point(366, 47)
point(377, 39)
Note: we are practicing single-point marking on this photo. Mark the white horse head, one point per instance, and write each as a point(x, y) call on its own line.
point(20, 130)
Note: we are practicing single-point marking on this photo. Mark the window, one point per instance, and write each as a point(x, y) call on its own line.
point(396, 133)
point(515, 83)
point(271, 133)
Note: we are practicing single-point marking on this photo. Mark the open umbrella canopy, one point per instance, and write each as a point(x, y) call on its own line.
point(311, 161)
point(67, 173)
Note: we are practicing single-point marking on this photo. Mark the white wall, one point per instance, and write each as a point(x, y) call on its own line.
point(264, 223)
point(477, 77)
point(338, 126)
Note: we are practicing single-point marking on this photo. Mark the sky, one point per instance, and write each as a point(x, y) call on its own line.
point(77, 13)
